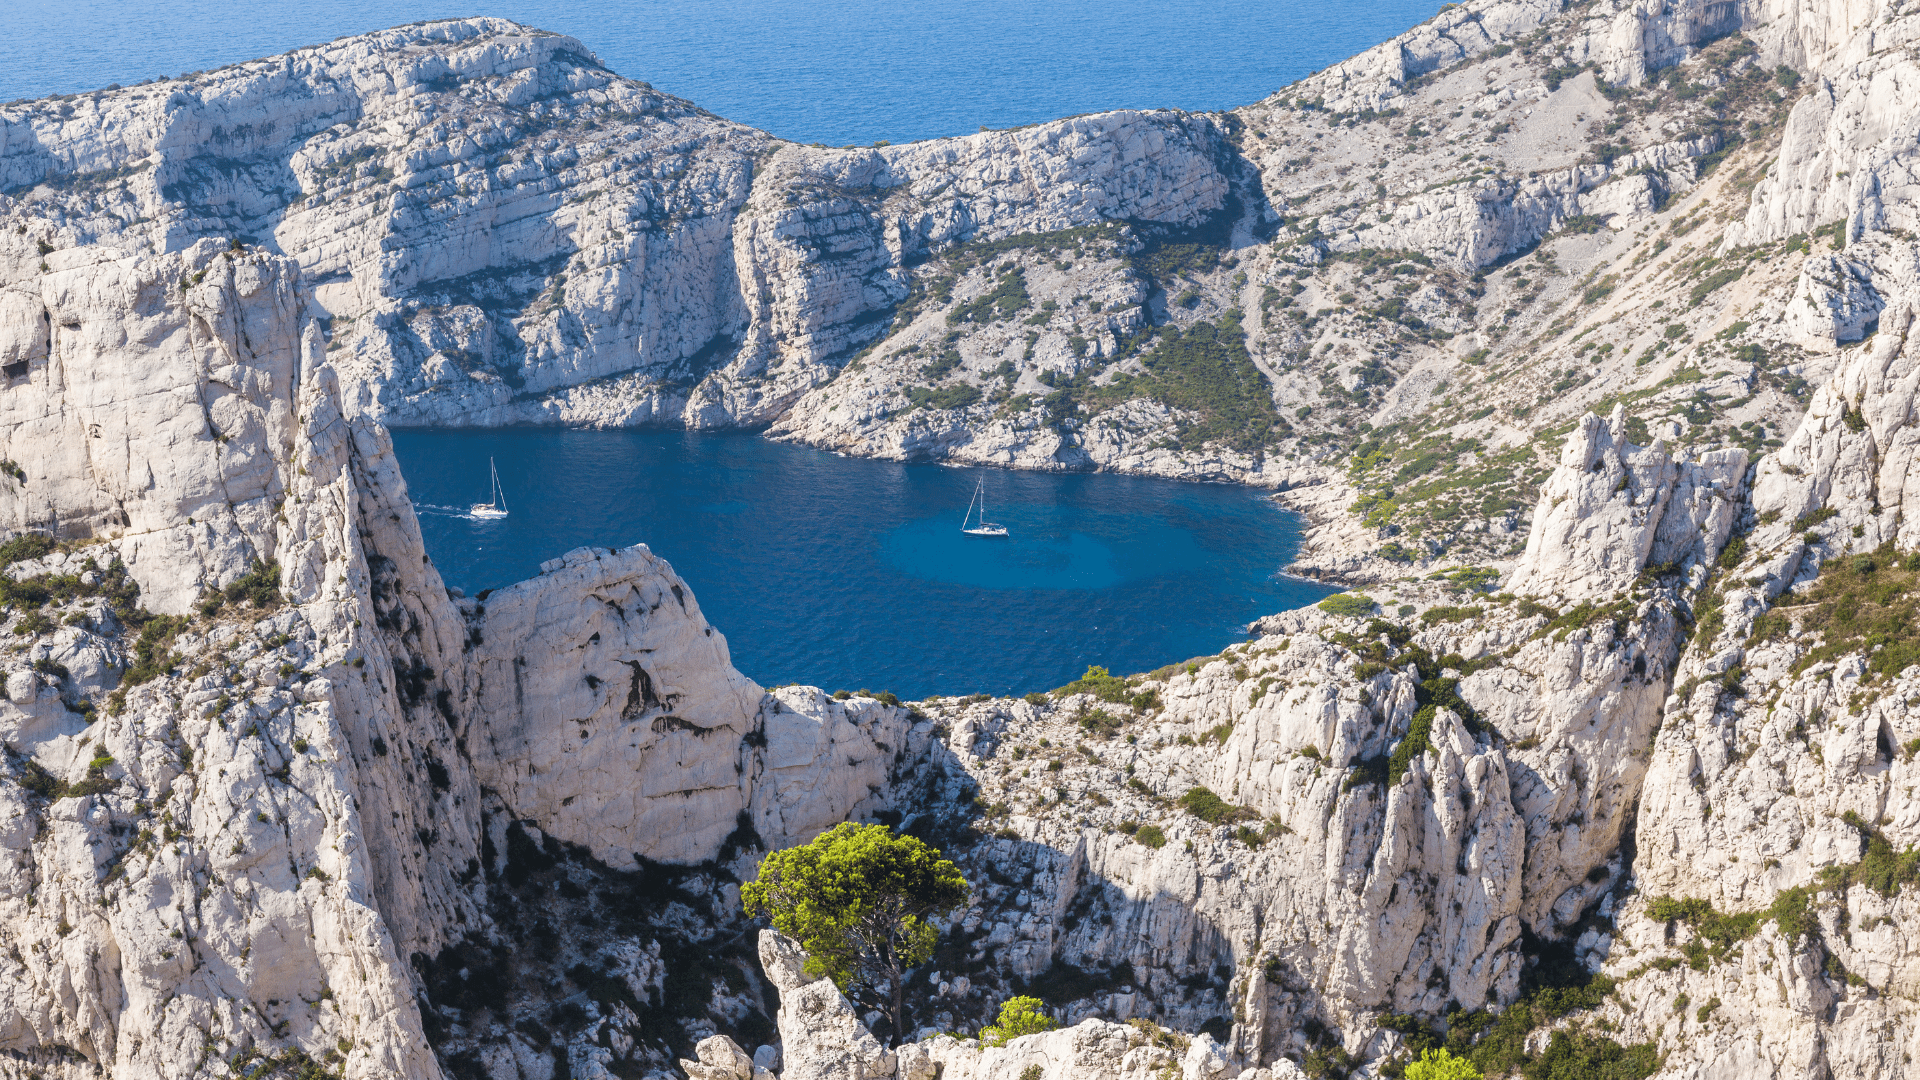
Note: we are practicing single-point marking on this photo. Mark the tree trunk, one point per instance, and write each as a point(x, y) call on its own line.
point(899, 1005)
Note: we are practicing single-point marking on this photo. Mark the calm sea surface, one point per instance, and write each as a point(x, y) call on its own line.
point(851, 71)
point(847, 573)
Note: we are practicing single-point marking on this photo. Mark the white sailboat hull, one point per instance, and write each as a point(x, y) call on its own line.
point(495, 509)
point(985, 528)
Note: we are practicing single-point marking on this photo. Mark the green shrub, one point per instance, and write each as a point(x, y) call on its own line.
point(26, 546)
point(1861, 605)
point(1007, 298)
point(956, 396)
point(1212, 809)
point(1100, 722)
point(1441, 1065)
point(1576, 1055)
point(260, 585)
point(1151, 835)
point(1814, 517)
point(1098, 682)
point(1018, 1016)
point(1348, 605)
point(1417, 742)
point(152, 654)
point(1716, 279)
point(1205, 372)
point(1731, 555)
point(1436, 615)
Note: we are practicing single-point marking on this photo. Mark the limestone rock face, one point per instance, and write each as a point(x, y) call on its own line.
point(821, 1037)
point(657, 264)
point(313, 796)
point(1834, 302)
point(1852, 454)
point(720, 1058)
point(1613, 508)
point(231, 448)
point(1772, 772)
point(644, 742)
point(1098, 1049)
point(1849, 150)
point(634, 743)
point(153, 397)
point(1473, 224)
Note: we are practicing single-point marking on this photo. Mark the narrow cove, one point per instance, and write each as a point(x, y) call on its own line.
point(848, 573)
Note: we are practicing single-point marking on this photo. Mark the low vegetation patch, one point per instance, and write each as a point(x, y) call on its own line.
point(953, 396)
point(1717, 935)
point(1496, 1045)
point(1206, 374)
point(1348, 605)
point(1007, 298)
point(1212, 809)
point(1859, 604)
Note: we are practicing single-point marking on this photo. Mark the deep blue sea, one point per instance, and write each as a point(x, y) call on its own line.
point(848, 574)
point(850, 71)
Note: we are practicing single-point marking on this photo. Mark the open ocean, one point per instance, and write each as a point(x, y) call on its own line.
point(853, 71)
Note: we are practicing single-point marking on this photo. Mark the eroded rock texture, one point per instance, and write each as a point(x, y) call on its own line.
point(1635, 281)
point(256, 823)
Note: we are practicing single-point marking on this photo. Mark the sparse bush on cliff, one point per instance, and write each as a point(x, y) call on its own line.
point(1212, 809)
point(1018, 1016)
point(1098, 682)
point(858, 899)
point(1348, 605)
point(1441, 1065)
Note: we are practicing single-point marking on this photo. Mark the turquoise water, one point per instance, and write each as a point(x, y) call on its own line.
point(846, 573)
point(849, 72)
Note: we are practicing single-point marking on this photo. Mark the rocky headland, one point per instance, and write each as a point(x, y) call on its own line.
point(1580, 330)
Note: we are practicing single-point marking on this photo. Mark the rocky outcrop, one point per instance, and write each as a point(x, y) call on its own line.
point(502, 230)
point(263, 768)
point(1612, 509)
point(1782, 764)
point(231, 451)
point(1848, 150)
point(1477, 222)
point(821, 1038)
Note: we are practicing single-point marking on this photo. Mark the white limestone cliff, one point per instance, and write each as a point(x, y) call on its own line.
point(385, 830)
point(251, 851)
point(1612, 509)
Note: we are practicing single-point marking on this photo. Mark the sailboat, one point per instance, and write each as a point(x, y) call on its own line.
point(498, 507)
point(985, 527)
